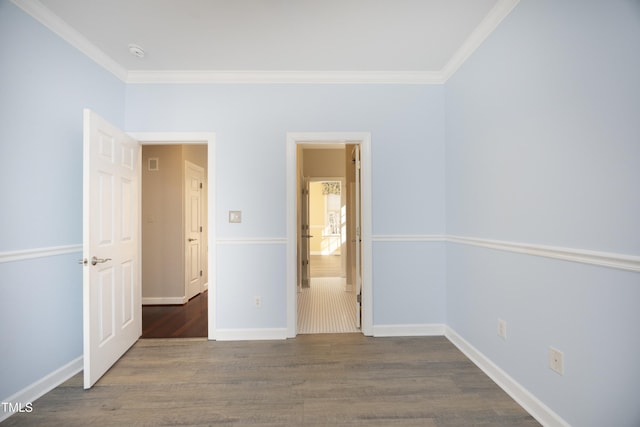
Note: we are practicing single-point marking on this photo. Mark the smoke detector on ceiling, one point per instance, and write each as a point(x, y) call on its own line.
point(136, 50)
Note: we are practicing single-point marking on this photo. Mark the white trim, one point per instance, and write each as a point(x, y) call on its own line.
point(164, 300)
point(478, 36)
point(253, 241)
point(208, 138)
point(316, 138)
point(50, 20)
point(409, 330)
point(251, 334)
point(410, 238)
point(526, 399)
point(285, 77)
point(11, 256)
point(604, 259)
point(43, 385)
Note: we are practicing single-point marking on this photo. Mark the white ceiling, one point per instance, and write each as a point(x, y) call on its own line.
point(417, 38)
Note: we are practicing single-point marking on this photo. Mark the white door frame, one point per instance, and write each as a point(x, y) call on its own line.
point(364, 139)
point(208, 139)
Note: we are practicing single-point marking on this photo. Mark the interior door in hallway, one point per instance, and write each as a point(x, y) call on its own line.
point(193, 182)
point(357, 241)
point(112, 318)
point(305, 236)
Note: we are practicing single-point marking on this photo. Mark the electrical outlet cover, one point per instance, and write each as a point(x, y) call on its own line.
point(556, 360)
point(502, 329)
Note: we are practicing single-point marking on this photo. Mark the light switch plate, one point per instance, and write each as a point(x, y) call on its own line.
point(235, 216)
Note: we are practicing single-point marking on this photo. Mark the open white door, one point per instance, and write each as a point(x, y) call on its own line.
point(112, 309)
point(305, 236)
point(194, 178)
point(358, 237)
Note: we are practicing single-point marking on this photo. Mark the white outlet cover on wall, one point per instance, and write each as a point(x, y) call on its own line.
point(556, 360)
point(235, 216)
point(502, 329)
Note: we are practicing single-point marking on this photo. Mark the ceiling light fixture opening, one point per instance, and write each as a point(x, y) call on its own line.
point(136, 50)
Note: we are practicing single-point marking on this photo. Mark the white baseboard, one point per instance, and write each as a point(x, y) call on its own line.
point(163, 300)
point(418, 330)
point(528, 401)
point(251, 334)
point(43, 385)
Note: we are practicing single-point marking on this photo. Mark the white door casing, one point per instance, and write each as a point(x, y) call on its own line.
point(112, 311)
point(207, 138)
point(364, 140)
point(193, 183)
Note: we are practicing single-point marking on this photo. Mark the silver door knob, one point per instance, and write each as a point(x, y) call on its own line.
point(96, 260)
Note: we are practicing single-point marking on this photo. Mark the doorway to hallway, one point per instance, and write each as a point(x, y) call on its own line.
point(327, 301)
point(174, 227)
point(357, 154)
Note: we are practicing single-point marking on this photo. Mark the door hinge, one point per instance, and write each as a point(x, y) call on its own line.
point(201, 229)
point(200, 185)
point(200, 273)
point(359, 298)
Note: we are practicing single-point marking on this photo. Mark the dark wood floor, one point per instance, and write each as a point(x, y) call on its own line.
point(312, 380)
point(176, 321)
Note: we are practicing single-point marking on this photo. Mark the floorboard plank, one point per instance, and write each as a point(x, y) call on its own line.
point(312, 380)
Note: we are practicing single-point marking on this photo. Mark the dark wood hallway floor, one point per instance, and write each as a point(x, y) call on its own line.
point(176, 321)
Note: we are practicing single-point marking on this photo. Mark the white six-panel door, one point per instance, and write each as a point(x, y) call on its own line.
point(194, 177)
point(112, 311)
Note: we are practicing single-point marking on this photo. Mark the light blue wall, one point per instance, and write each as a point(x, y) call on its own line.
point(543, 147)
point(44, 85)
point(251, 122)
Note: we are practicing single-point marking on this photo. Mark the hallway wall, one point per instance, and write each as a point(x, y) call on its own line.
point(163, 274)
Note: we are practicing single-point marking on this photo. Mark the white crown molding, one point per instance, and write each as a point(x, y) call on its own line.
point(11, 256)
point(284, 77)
point(71, 36)
point(478, 36)
point(541, 412)
point(603, 259)
point(38, 11)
